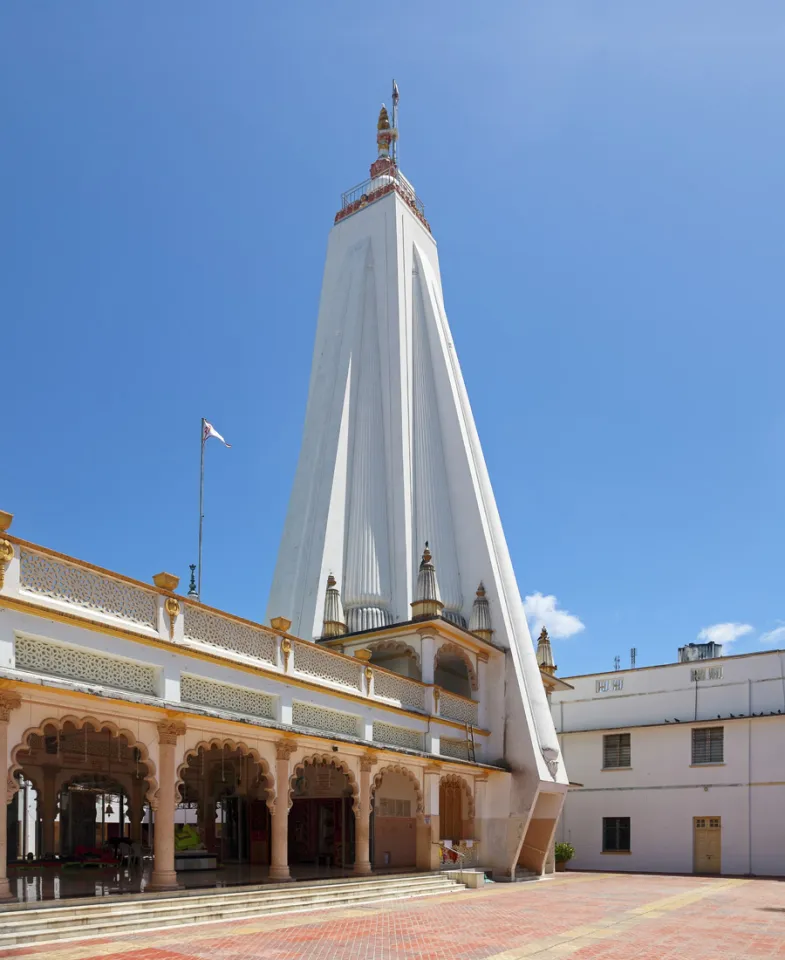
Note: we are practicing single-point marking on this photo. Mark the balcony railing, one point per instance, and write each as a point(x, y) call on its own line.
point(376, 187)
point(54, 582)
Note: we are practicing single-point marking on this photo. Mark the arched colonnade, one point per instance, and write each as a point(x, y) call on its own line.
point(183, 793)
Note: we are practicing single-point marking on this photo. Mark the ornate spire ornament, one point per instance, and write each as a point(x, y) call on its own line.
point(545, 654)
point(480, 621)
point(387, 139)
point(333, 625)
point(427, 602)
point(192, 585)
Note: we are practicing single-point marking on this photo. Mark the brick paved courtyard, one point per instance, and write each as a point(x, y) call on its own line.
point(574, 915)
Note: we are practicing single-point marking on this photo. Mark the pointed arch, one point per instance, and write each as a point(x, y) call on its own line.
point(79, 723)
point(221, 743)
point(405, 772)
point(326, 760)
point(452, 779)
point(455, 650)
point(395, 646)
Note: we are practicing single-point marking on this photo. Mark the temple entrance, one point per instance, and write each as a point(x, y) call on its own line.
point(224, 811)
point(79, 823)
point(93, 815)
point(321, 820)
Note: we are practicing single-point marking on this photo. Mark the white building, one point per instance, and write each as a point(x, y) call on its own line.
point(391, 463)
point(401, 725)
point(681, 767)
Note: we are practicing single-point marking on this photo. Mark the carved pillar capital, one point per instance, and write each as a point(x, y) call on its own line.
point(368, 762)
point(169, 731)
point(284, 749)
point(9, 700)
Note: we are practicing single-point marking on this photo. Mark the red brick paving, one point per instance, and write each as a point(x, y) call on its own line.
point(693, 918)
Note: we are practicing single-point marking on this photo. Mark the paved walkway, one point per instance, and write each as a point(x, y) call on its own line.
point(580, 916)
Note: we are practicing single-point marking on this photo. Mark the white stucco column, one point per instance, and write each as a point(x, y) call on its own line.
point(279, 828)
point(427, 654)
point(9, 700)
point(362, 833)
point(164, 876)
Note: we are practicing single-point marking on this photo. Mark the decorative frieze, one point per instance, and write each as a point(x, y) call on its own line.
point(323, 665)
point(75, 663)
point(457, 749)
point(45, 576)
point(394, 736)
point(458, 708)
point(322, 718)
point(226, 696)
point(229, 634)
point(399, 690)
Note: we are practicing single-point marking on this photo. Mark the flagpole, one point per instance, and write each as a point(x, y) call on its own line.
point(201, 511)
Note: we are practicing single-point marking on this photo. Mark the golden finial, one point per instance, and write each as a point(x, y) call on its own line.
point(384, 119)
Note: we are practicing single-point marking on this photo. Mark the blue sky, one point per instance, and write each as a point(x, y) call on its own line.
point(606, 184)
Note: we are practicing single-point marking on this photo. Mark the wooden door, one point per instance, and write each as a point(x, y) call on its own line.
point(450, 811)
point(707, 844)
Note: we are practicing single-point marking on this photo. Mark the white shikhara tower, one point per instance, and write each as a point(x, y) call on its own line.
point(390, 456)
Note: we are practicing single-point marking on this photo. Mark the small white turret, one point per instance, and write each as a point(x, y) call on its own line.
point(427, 602)
point(544, 653)
point(480, 621)
point(333, 625)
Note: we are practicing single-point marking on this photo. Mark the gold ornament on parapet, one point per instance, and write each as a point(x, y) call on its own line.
point(286, 649)
point(6, 556)
point(172, 607)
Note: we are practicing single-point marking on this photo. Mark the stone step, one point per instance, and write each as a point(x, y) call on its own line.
point(88, 911)
point(48, 926)
point(181, 899)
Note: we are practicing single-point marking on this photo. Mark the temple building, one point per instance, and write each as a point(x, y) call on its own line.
point(390, 714)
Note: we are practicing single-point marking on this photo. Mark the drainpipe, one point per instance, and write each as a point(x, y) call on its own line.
point(749, 775)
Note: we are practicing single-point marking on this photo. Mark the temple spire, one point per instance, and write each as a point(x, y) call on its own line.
point(545, 654)
point(427, 602)
point(334, 624)
point(480, 620)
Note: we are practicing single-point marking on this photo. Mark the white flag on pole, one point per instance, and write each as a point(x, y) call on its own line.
point(210, 431)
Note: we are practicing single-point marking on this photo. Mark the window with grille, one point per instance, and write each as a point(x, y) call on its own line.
point(616, 834)
point(708, 745)
point(616, 750)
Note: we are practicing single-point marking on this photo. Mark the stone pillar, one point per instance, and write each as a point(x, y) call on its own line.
point(428, 847)
point(9, 700)
point(279, 821)
point(48, 810)
point(362, 837)
point(164, 876)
